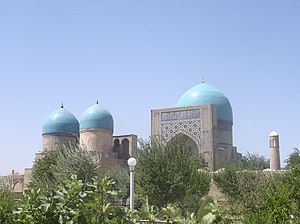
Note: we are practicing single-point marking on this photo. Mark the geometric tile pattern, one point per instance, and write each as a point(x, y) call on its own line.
point(170, 129)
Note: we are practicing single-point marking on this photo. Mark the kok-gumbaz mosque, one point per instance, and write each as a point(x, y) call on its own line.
point(202, 117)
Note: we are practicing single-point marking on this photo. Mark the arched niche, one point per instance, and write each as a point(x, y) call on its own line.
point(125, 148)
point(116, 145)
point(188, 141)
point(18, 187)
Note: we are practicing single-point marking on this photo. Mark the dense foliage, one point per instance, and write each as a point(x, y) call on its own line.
point(7, 205)
point(171, 174)
point(252, 161)
point(261, 197)
point(293, 159)
point(120, 176)
point(72, 203)
point(172, 183)
point(56, 166)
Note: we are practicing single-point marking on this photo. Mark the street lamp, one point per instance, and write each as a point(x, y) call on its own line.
point(131, 163)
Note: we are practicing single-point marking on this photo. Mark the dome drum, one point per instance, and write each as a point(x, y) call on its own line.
point(96, 139)
point(53, 141)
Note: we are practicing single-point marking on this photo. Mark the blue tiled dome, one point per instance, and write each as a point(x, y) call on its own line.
point(207, 94)
point(96, 117)
point(61, 121)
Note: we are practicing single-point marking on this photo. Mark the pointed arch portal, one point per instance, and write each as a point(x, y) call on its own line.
point(189, 142)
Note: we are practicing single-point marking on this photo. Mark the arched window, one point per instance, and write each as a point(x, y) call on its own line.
point(125, 148)
point(116, 145)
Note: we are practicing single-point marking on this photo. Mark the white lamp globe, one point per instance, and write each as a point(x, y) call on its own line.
point(131, 162)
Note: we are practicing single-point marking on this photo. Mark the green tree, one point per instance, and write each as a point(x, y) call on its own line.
point(73, 202)
point(120, 175)
point(276, 204)
point(292, 177)
point(241, 188)
point(57, 165)
point(260, 197)
point(171, 174)
point(252, 161)
point(293, 159)
point(227, 181)
point(7, 205)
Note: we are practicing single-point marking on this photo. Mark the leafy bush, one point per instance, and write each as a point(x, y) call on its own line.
point(293, 159)
point(252, 161)
point(57, 165)
point(72, 203)
point(7, 205)
point(120, 176)
point(260, 197)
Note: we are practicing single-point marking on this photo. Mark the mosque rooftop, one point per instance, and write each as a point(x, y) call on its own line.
point(61, 121)
point(98, 117)
point(204, 93)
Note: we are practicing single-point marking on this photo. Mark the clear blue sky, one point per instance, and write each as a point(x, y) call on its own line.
point(135, 56)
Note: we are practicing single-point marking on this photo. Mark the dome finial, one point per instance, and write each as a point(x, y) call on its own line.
point(97, 102)
point(202, 80)
point(62, 105)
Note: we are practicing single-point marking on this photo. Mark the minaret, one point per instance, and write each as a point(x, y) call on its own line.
point(274, 151)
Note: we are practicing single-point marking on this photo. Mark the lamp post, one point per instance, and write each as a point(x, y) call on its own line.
point(131, 163)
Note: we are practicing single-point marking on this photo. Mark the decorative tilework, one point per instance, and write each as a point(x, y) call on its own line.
point(180, 115)
point(192, 128)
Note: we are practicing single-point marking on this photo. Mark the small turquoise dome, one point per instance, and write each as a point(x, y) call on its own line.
point(96, 117)
point(61, 121)
point(207, 94)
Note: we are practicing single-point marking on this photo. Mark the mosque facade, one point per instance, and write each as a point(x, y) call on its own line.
point(202, 119)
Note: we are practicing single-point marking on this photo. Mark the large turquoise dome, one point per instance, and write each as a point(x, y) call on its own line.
point(61, 121)
point(96, 117)
point(207, 94)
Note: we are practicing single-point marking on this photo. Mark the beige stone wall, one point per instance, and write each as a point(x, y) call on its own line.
point(15, 181)
point(220, 157)
point(224, 132)
point(27, 177)
point(209, 134)
point(96, 139)
point(18, 182)
point(226, 154)
point(53, 141)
